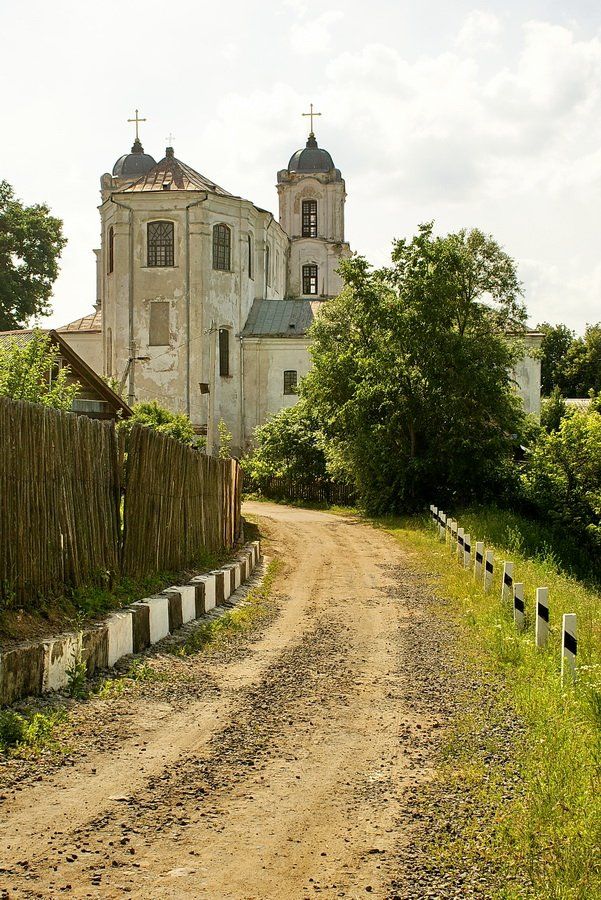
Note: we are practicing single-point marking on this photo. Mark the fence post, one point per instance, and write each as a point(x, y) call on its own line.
point(467, 551)
point(460, 543)
point(541, 626)
point(518, 605)
point(442, 525)
point(488, 570)
point(569, 646)
point(507, 583)
point(479, 560)
point(447, 536)
point(453, 536)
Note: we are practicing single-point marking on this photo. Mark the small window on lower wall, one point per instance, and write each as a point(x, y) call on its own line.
point(224, 352)
point(158, 329)
point(310, 279)
point(290, 381)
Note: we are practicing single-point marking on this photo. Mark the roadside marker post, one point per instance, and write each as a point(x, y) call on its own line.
point(447, 536)
point(541, 626)
point(507, 584)
point(569, 647)
point(467, 551)
point(460, 544)
point(518, 605)
point(453, 536)
point(442, 526)
point(488, 570)
point(479, 560)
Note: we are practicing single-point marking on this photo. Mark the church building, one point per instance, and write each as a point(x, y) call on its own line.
point(204, 299)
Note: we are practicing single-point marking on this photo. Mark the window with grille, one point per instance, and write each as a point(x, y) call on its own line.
point(290, 381)
point(222, 243)
point(310, 279)
point(250, 256)
point(309, 218)
point(160, 244)
point(268, 265)
point(111, 250)
point(224, 351)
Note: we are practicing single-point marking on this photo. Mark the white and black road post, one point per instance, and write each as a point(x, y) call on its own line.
point(569, 647)
point(489, 563)
point(479, 560)
point(507, 583)
point(447, 536)
point(460, 544)
point(467, 551)
point(518, 605)
point(453, 536)
point(442, 525)
point(541, 625)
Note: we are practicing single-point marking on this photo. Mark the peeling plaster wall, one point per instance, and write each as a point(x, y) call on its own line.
point(265, 361)
point(527, 375)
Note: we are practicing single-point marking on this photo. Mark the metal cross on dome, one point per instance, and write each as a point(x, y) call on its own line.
point(169, 139)
point(137, 120)
point(311, 114)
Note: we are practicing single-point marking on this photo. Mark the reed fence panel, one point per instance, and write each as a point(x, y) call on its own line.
point(311, 490)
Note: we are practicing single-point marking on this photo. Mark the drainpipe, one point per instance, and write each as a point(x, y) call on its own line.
point(188, 279)
point(132, 352)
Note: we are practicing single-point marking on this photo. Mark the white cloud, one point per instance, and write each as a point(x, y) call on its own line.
point(315, 35)
point(479, 31)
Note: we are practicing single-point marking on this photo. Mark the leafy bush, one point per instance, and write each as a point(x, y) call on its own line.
point(30, 371)
point(287, 446)
point(175, 425)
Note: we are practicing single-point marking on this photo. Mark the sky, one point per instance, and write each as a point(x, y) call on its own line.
point(485, 115)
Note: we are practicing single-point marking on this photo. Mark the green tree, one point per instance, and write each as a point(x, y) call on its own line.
point(288, 445)
point(555, 344)
point(30, 370)
point(31, 242)
point(553, 410)
point(410, 378)
point(152, 415)
point(225, 440)
point(581, 370)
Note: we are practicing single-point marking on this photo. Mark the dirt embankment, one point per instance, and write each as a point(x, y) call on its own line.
point(286, 769)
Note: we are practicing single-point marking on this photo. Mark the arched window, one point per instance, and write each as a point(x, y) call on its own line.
point(224, 352)
point(310, 279)
point(222, 243)
point(159, 244)
point(111, 250)
point(268, 265)
point(309, 223)
point(250, 256)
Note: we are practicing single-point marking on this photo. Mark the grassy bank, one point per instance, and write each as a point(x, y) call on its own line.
point(542, 831)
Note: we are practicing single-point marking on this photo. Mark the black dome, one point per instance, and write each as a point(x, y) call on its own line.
point(311, 159)
point(134, 164)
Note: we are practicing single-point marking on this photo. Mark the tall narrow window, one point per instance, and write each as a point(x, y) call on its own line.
point(160, 244)
point(111, 250)
point(290, 381)
point(310, 279)
point(109, 351)
point(158, 328)
point(250, 256)
point(309, 218)
point(268, 265)
point(222, 244)
point(224, 351)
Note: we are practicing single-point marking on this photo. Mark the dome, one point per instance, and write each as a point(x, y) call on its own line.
point(311, 159)
point(134, 164)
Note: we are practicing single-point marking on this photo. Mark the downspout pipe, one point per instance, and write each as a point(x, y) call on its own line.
point(188, 314)
point(130, 362)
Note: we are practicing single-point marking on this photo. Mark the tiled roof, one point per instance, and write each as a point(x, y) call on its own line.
point(19, 337)
point(93, 322)
point(281, 318)
point(177, 174)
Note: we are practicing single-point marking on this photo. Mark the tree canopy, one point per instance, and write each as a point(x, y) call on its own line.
point(151, 414)
point(31, 242)
point(569, 363)
point(410, 379)
point(30, 370)
point(287, 446)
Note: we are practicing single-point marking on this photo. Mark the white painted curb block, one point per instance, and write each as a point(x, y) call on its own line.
point(60, 654)
point(159, 616)
point(188, 594)
point(121, 642)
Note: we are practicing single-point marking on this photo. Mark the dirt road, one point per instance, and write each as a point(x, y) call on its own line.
point(285, 770)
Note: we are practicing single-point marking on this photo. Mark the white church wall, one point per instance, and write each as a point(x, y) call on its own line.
point(265, 360)
point(88, 345)
point(527, 375)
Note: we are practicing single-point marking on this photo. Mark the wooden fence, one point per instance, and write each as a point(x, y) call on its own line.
point(314, 491)
point(59, 501)
point(177, 501)
point(61, 486)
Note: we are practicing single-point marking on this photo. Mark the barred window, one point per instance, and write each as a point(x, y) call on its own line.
point(250, 256)
point(160, 244)
point(309, 224)
point(222, 243)
point(111, 250)
point(290, 381)
point(224, 351)
point(310, 279)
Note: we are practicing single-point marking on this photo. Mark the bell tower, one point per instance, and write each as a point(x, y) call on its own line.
point(312, 194)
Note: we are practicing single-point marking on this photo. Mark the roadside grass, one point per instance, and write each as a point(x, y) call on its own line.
point(543, 833)
point(217, 633)
point(24, 735)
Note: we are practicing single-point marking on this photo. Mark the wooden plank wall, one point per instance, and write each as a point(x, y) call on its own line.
point(59, 502)
point(61, 481)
